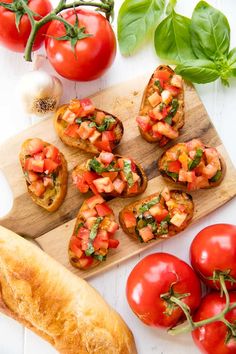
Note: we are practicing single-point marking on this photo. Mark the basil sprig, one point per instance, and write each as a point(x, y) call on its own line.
point(216, 177)
point(128, 173)
point(147, 206)
point(93, 233)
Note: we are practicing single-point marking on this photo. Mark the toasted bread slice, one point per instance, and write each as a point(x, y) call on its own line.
point(176, 117)
point(88, 175)
point(52, 195)
point(202, 166)
point(168, 213)
point(93, 234)
point(88, 144)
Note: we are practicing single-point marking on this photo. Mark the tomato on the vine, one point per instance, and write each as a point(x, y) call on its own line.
point(215, 338)
point(213, 251)
point(91, 56)
point(153, 281)
point(15, 39)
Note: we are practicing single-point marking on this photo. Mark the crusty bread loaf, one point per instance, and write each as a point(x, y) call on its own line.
point(56, 304)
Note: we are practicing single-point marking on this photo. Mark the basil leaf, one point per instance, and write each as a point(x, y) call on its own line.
point(163, 228)
point(172, 38)
point(174, 107)
point(199, 71)
point(128, 173)
point(158, 84)
point(136, 21)
point(216, 177)
point(196, 160)
point(92, 236)
point(78, 120)
point(78, 227)
point(96, 166)
point(100, 258)
point(168, 120)
point(105, 124)
point(147, 206)
point(210, 32)
point(173, 175)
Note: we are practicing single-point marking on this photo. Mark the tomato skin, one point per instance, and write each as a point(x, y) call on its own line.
point(214, 248)
point(152, 277)
point(94, 55)
point(9, 35)
point(211, 338)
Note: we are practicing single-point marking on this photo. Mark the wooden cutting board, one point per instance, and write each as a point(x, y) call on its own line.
point(52, 231)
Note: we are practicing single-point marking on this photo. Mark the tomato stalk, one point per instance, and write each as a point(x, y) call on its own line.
point(105, 6)
point(191, 325)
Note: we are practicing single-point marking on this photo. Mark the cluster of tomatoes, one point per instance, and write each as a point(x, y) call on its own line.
point(87, 60)
point(161, 281)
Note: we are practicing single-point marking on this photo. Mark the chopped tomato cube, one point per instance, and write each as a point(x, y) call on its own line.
point(103, 234)
point(178, 219)
point(144, 123)
point(90, 176)
point(99, 243)
point(90, 222)
point(174, 166)
point(51, 152)
point(176, 81)
point(39, 156)
point(69, 116)
point(129, 219)
point(103, 185)
point(108, 135)
point(85, 262)
point(94, 136)
point(33, 176)
point(194, 144)
point(80, 183)
point(34, 146)
point(113, 243)
point(154, 99)
point(100, 116)
point(111, 175)
point(37, 188)
point(72, 130)
point(156, 114)
point(158, 212)
point(87, 106)
point(83, 233)
point(155, 131)
point(103, 209)
point(37, 165)
point(166, 97)
point(75, 246)
point(174, 91)
point(133, 188)
point(165, 129)
point(186, 176)
point(75, 107)
point(166, 194)
point(106, 157)
point(96, 199)
point(113, 227)
point(162, 75)
point(85, 131)
point(93, 189)
point(103, 145)
point(199, 182)
point(48, 182)
point(183, 158)
point(49, 166)
point(119, 185)
point(146, 234)
point(88, 213)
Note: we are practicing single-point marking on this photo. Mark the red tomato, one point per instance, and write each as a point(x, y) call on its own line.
point(214, 248)
point(174, 166)
point(16, 40)
point(144, 123)
point(154, 276)
point(92, 55)
point(211, 338)
point(103, 209)
point(113, 243)
point(49, 166)
point(129, 219)
point(103, 145)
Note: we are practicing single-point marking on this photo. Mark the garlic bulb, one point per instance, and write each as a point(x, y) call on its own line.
point(40, 93)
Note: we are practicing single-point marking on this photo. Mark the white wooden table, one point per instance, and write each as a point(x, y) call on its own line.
point(221, 105)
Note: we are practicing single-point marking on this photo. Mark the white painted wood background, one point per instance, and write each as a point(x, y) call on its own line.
point(221, 105)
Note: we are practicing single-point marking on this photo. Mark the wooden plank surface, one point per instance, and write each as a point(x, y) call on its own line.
point(54, 230)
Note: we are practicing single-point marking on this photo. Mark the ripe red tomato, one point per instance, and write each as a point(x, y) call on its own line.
point(211, 338)
point(155, 275)
point(214, 248)
point(9, 35)
point(92, 56)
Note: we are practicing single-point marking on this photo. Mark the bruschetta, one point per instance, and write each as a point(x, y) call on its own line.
point(45, 171)
point(193, 165)
point(161, 114)
point(93, 233)
point(79, 124)
point(110, 174)
point(161, 215)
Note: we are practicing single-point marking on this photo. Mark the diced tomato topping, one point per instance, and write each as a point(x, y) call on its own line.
point(103, 145)
point(103, 209)
point(34, 146)
point(75, 107)
point(48, 182)
point(32, 176)
point(186, 176)
point(88, 213)
point(166, 97)
point(87, 106)
point(165, 129)
point(174, 166)
point(162, 75)
point(37, 165)
point(119, 185)
point(155, 131)
point(166, 194)
point(103, 234)
point(49, 166)
point(103, 185)
point(99, 243)
point(85, 131)
point(108, 135)
point(93, 189)
point(129, 219)
point(199, 182)
point(71, 130)
point(183, 158)
point(178, 219)
point(174, 91)
point(100, 116)
point(69, 116)
point(75, 246)
point(144, 123)
point(37, 188)
point(51, 152)
point(83, 233)
point(39, 156)
point(90, 222)
point(194, 144)
point(96, 199)
point(94, 136)
point(158, 212)
point(113, 243)
point(154, 99)
point(85, 262)
point(90, 176)
point(81, 183)
point(133, 188)
point(110, 175)
point(155, 114)
point(146, 234)
point(106, 157)
point(177, 81)
point(113, 227)
point(164, 112)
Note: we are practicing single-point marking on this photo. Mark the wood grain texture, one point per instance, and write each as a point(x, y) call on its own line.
point(54, 230)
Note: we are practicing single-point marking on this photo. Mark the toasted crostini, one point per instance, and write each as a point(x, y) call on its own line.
point(45, 171)
point(192, 164)
point(161, 114)
point(79, 124)
point(93, 233)
point(161, 215)
point(110, 174)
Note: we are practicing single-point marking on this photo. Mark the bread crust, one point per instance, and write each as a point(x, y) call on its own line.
point(211, 184)
point(80, 143)
point(177, 125)
point(140, 171)
point(62, 178)
point(56, 304)
point(173, 229)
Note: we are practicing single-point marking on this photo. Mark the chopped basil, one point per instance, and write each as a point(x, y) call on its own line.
point(167, 218)
point(147, 206)
point(158, 84)
point(139, 237)
point(216, 177)
point(78, 120)
point(161, 106)
point(163, 228)
point(105, 124)
point(99, 257)
point(168, 120)
point(192, 164)
point(92, 236)
point(54, 176)
point(128, 173)
point(78, 227)
point(174, 108)
point(173, 175)
point(96, 166)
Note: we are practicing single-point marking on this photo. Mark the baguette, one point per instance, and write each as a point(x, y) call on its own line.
point(93, 234)
point(79, 124)
point(57, 305)
point(193, 165)
point(107, 175)
point(160, 120)
point(161, 215)
point(47, 188)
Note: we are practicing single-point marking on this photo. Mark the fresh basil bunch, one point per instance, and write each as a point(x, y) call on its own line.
point(198, 46)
